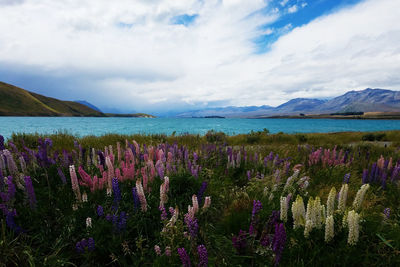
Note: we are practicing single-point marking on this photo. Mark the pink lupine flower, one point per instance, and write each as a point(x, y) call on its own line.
point(195, 204)
point(141, 195)
point(207, 203)
point(74, 183)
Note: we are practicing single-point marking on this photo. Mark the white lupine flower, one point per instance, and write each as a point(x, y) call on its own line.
point(309, 212)
point(299, 212)
point(360, 196)
point(195, 204)
point(353, 219)
point(88, 222)
point(330, 203)
point(308, 228)
point(329, 229)
point(207, 203)
point(284, 209)
point(318, 213)
point(84, 197)
point(343, 197)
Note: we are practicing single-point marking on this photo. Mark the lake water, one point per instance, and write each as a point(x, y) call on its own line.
point(100, 126)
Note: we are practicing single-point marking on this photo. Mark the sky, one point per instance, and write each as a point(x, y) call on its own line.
point(161, 56)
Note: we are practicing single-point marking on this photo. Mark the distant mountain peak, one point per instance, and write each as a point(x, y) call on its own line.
point(84, 102)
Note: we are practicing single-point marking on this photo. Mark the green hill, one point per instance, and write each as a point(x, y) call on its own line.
point(15, 101)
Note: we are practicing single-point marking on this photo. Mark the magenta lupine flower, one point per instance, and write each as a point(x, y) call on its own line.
point(157, 250)
point(278, 242)
point(30, 192)
point(168, 251)
point(203, 257)
point(184, 257)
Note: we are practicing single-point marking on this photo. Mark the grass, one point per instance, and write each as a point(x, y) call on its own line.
point(237, 169)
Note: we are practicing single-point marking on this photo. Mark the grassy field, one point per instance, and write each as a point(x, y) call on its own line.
point(215, 200)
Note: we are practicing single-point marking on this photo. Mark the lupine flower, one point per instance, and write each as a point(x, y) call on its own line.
point(195, 204)
point(299, 212)
point(90, 244)
point(365, 176)
point(184, 257)
point(284, 208)
point(386, 212)
point(164, 215)
point(30, 192)
point(207, 203)
point(2, 143)
point(100, 211)
point(62, 176)
point(88, 222)
point(84, 197)
point(278, 243)
point(10, 221)
point(116, 191)
point(142, 197)
point(201, 192)
point(192, 225)
point(6, 197)
point(330, 203)
point(239, 242)
point(79, 247)
point(257, 206)
point(121, 225)
point(346, 178)
point(203, 257)
point(164, 188)
point(136, 200)
point(157, 250)
point(168, 251)
point(329, 229)
point(74, 182)
point(353, 219)
point(360, 196)
point(343, 197)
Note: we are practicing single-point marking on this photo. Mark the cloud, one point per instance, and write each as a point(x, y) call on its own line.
point(283, 2)
point(130, 56)
point(293, 9)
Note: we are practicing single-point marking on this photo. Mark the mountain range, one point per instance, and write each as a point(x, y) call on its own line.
point(368, 100)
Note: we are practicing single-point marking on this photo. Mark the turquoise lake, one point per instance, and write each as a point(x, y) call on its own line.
point(100, 126)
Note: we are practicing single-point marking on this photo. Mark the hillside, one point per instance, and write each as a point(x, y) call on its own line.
point(15, 101)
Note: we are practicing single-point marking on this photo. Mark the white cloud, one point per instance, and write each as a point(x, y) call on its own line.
point(283, 2)
point(293, 9)
point(151, 63)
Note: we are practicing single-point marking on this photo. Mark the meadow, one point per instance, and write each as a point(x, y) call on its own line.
point(257, 199)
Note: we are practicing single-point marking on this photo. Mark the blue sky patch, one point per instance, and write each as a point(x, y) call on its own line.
point(292, 14)
point(184, 19)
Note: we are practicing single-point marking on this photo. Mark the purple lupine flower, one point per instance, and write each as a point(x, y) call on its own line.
point(116, 191)
point(346, 178)
point(90, 244)
point(1, 179)
point(365, 176)
point(2, 143)
point(239, 242)
point(383, 180)
point(136, 200)
point(171, 211)
point(192, 225)
point(9, 195)
point(100, 211)
point(257, 206)
point(200, 194)
point(78, 247)
point(30, 192)
point(248, 175)
point(123, 217)
point(203, 257)
point(10, 221)
point(274, 218)
point(164, 215)
point(386, 212)
point(184, 257)
point(278, 243)
point(109, 217)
